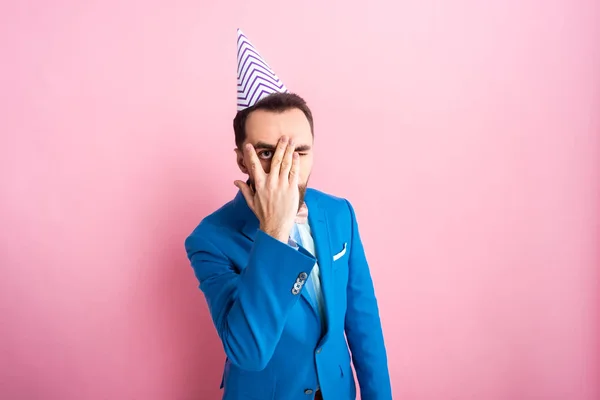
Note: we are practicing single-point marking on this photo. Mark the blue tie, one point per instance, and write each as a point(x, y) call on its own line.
point(310, 284)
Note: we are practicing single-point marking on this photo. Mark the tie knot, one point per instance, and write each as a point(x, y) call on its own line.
point(302, 216)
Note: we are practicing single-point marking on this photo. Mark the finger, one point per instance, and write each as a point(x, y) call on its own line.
point(256, 171)
point(286, 164)
point(278, 156)
point(246, 192)
point(295, 170)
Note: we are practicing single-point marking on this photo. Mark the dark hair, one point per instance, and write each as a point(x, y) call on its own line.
point(276, 102)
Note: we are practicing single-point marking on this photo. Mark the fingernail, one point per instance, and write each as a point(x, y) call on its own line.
point(284, 139)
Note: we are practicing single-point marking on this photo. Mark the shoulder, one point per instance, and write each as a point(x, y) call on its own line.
point(335, 205)
point(219, 223)
point(325, 198)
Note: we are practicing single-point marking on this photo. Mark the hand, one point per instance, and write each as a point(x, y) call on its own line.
point(276, 197)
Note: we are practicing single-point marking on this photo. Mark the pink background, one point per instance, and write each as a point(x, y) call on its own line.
point(466, 133)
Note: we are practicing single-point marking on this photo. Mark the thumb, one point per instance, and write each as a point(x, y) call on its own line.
point(247, 192)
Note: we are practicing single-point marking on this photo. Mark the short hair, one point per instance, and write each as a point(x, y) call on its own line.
point(276, 102)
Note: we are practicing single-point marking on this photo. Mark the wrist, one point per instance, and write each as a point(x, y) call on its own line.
point(276, 232)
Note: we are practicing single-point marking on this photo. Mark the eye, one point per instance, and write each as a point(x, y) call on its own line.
point(265, 155)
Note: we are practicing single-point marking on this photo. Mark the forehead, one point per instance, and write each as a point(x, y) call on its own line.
point(268, 126)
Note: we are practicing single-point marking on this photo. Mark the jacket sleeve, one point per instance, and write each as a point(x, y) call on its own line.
point(363, 325)
point(249, 309)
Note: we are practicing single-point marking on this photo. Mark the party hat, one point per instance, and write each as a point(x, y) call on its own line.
point(256, 80)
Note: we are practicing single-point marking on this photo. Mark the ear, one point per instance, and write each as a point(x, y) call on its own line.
point(239, 155)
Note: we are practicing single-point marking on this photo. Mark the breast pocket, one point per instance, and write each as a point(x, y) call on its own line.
point(341, 257)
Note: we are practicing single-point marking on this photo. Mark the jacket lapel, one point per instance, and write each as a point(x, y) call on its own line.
point(317, 219)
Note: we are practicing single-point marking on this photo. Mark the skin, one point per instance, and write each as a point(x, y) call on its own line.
point(277, 156)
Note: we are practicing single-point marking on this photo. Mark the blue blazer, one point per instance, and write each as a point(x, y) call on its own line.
point(272, 336)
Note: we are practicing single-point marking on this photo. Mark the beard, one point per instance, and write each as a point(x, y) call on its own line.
point(301, 191)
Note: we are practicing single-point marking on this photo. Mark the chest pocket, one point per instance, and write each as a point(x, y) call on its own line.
point(340, 258)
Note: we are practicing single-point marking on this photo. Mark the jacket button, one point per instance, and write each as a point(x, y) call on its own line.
point(308, 391)
point(319, 350)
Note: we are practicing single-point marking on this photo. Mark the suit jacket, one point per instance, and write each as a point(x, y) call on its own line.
point(271, 333)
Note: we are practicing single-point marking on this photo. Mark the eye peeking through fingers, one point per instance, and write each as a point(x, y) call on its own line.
point(265, 154)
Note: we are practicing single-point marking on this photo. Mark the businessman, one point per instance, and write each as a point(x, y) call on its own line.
point(282, 266)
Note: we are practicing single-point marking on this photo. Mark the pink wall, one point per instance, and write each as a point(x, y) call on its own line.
point(476, 123)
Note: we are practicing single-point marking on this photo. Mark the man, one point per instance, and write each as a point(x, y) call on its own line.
point(282, 267)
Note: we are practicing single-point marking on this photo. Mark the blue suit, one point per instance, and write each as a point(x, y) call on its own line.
point(272, 336)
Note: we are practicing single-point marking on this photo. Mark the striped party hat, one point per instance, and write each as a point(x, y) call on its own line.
point(256, 79)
